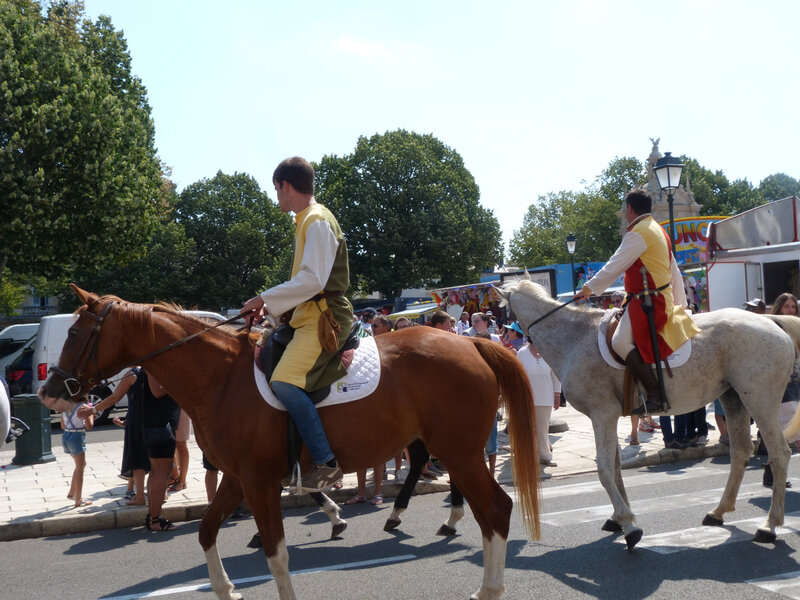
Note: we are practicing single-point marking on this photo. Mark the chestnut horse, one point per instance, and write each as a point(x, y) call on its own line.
point(436, 387)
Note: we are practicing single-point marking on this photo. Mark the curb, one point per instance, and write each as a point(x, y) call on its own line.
point(670, 455)
point(126, 518)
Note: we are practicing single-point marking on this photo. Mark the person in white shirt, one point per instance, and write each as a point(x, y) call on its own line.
point(463, 323)
point(546, 396)
point(480, 324)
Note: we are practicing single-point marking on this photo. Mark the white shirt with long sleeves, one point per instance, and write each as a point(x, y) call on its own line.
point(544, 382)
point(315, 269)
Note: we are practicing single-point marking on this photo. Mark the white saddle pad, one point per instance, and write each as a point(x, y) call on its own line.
point(361, 379)
point(676, 359)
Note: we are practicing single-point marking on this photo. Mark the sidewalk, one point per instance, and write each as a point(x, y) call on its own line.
point(33, 500)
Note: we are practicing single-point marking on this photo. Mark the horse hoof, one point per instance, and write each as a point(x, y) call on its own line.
point(255, 542)
point(633, 538)
point(337, 529)
point(446, 530)
point(764, 536)
point(391, 524)
point(711, 521)
point(611, 525)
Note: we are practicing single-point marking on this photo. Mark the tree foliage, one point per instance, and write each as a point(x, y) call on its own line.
point(79, 169)
point(591, 215)
point(223, 241)
point(410, 212)
point(778, 186)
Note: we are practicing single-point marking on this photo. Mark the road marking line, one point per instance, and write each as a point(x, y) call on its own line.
point(786, 584)
point(703, 537)
point(260, 578)
point(658, 504)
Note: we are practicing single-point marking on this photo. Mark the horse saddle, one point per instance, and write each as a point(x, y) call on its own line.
point(271, 352)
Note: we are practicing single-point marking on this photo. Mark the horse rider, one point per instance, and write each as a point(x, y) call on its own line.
point(646, 259)
point(319, 278)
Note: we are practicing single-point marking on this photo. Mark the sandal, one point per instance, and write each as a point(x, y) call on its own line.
point(376, 500)
point(177, 487)
point(646, 427)
point(357, 499)
point(163, 524)
point(634, 441)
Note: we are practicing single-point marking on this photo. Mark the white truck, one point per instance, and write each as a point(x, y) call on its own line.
point(755, 254)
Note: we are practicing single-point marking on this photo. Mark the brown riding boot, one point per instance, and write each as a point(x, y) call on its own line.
point(644, 373)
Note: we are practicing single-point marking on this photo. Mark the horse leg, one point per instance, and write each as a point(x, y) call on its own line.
point(779, 454)
point(330, 508)
point(456, 512)
point(491, 507)
point(611, 524)
point(264, 501)
point(418, 456)
point(227, 498)
point(608, 461)
point(741, 449)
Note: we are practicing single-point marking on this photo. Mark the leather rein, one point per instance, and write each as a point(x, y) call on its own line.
point(550, 312)
point(88, 353)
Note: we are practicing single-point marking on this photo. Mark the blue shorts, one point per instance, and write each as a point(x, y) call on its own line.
point(74, 442)
point(491, 445)
point(718, 408)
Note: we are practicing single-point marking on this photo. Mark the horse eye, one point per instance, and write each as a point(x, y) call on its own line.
point(72, 332)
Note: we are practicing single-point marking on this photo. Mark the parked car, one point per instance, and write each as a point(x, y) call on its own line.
point(12, 339)
point(19, 374)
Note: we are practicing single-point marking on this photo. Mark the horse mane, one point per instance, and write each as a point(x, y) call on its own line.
point(140, 316)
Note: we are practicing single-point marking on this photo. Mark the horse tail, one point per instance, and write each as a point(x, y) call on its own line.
point(517, 397)
point(791, 325)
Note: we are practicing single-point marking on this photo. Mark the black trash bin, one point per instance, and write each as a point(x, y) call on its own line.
point(34, 447)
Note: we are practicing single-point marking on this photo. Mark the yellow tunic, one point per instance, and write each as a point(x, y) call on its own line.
point(304, 363)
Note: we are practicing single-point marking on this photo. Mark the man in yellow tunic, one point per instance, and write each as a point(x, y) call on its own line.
point(645, 251)
point(320, 276)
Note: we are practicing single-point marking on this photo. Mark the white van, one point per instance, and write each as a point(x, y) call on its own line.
point(12, 339)
point(50, 340)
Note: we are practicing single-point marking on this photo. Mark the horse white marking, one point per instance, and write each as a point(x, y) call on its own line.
point(494, 560)
point(741, 358)
point(220, 583)
point(456, 514)
point(279, 567)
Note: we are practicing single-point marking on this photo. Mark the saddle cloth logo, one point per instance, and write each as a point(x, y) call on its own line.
point(676, 359)
point(361, 379)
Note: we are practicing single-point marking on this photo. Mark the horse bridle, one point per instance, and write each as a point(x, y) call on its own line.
point(72, 379)
point(89, 350)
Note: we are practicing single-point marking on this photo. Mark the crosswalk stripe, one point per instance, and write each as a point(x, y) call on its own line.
point(650, 505)
point(786, 584)
point(589, 487)
point(695, 538)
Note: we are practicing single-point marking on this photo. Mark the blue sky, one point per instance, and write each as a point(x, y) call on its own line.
point(535, 96)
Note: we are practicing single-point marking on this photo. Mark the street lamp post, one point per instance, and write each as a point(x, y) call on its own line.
point(571, 249)
point(668, 170)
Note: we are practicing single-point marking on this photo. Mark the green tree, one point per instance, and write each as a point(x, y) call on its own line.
point(592, 218)
point(242, 239)
point(78, 163)
point(777, 186)
point(410, 212)
point(621, 176)
point(12, 294)
point(716, 193)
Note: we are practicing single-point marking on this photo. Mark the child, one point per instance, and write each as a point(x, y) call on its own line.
point(73, 441)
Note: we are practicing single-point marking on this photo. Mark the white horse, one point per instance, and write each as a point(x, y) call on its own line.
point(743, 359)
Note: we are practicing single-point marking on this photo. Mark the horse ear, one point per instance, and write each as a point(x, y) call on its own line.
point(500, 292)
point(83, 296)
point(527, 275)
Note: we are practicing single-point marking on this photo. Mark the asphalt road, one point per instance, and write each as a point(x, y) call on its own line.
point(574, 559)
